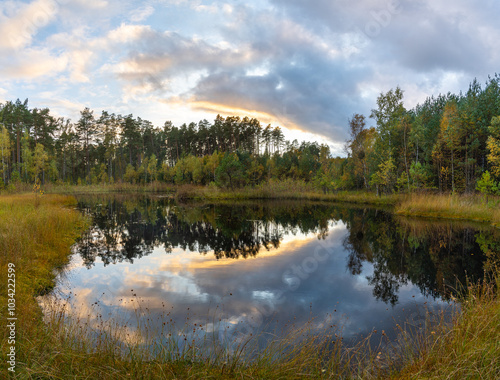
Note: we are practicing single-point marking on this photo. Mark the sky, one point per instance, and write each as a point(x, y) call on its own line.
point(304, 65)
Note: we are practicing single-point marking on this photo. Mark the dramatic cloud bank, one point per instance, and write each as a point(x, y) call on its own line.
point(303, 65)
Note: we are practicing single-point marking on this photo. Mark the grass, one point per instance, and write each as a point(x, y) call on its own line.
point(470, 207)
point(286, 189)
point(272, 189)
point(470, 349)
point(119, 187)
point(36, 234)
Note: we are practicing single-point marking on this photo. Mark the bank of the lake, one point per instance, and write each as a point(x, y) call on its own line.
point(287, 189)
point(473, 207)
point(37, 234)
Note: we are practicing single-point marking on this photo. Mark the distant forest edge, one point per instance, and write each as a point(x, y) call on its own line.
point(448, 143)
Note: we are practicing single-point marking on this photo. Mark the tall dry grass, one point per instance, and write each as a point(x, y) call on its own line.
point(118, 187)
point(471, 207)
point(470, 348)
point(35, 235)
point(92, 348)
point(282, 189)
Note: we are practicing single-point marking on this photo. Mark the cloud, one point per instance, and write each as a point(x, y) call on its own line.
point(3, 94)
point(32, 63)
point(158, 59)
point(421, 36)
point(142, 13)
point(274, 66)
point(18, 29)
point(308, 79)
point(306, 65)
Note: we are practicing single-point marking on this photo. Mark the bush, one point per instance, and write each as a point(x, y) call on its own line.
point(487, 185)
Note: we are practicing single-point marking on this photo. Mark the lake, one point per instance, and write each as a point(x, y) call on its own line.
point(227, 271)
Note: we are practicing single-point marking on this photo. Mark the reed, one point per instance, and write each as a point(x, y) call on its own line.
point(470, 348)
point(36, 233)
point(285, 189)
point(453, 206)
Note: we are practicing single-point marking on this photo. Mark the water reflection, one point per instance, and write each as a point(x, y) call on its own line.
point(438, 257)
point(122, 232)
point(254, 263)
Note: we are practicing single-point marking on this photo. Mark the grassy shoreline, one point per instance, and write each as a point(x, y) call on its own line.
point(285, 190)
point(36, 234)
point(478, 208)
point(51, 351)
point(473, 207)
point(470, 348)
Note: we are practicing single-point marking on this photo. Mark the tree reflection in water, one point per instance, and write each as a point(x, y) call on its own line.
point(435, 256)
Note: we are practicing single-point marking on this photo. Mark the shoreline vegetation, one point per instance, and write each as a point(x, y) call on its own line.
point(476, 207)
point(37, 232)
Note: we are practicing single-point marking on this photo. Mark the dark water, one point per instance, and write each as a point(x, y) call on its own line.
point(240, 269)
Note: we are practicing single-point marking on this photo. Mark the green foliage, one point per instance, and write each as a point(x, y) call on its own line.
point(388, 116)
point(27, 169)
point(15, 177)
point(5, 148)
point(142, 174)
point(487, 185)
point(182, 171)
point(384, 178)
point(152, 168)
point(93, 177)
point(493, 145)
point(419, 176)
point(40, 158)
point(230, 171)
point(53, 171)
point(166, 173)
point(324, 182)
point(402, 183)
point(103, 174)
point(130, 174)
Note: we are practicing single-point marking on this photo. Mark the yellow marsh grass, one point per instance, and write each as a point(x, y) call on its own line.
point(35, 235)
point(470, 207)
point(470, 349)
point(283, 189)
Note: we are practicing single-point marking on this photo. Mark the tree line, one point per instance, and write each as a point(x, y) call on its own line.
point(231, 151)
point(449, 143)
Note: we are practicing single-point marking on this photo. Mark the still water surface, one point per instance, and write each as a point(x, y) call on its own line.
point(240, 269)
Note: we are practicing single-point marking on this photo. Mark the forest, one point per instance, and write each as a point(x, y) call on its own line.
point(450, 143)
